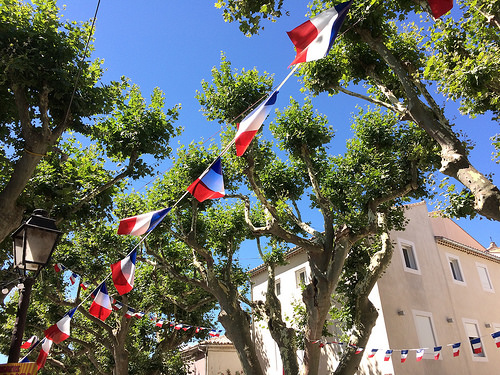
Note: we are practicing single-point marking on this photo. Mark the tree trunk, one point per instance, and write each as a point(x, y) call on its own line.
point(454, 160)
point(237, 325)
point(349, 362)
point(120, 356)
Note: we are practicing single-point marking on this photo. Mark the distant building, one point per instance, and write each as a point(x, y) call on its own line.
point(216, 356)
point(441, 288)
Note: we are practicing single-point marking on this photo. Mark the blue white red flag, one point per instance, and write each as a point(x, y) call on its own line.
point(215, 333)
point(117, 305)
point(437, 352)
point(456, 349)
point(496, 337)
point(72, 278)
point(27, 344)
point(139, 315)
point(476, 345)
point(59, 267)
point(159, 323)
point(358, 350)
point(251, 124)
point(85, 285)
point(314, 38)
point(101, 305)
point(44, 353)
point(388, 354)
point(130, 313)
point(404, 355)
point(420, 354)
point(210, 184)
point(178, 327)
point(373, 352)
point(123, 273)
point(141, 224)
point(62, 329)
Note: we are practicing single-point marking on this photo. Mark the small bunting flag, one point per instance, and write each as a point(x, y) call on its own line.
point(123, 273)
point(496, 337)
point(404, 355)
point(437, 352)
point(61, 330)
point(476, 345)
point(142, 224)
point(388, 354)
point(456, 349)
point(373, 352)
point(420, 354)
point(59, 267)
point(210, 184)
point(101, 305)
point(44, 353)
point(27, 344)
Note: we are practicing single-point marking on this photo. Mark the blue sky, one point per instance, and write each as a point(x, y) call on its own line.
point(174, 45)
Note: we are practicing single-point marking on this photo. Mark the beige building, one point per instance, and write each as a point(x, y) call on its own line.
point(216, 356)
point(440, 289)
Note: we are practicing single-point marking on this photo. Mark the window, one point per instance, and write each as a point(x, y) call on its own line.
point(472, 332)
point(455, 269)
point(409, 256)
point(277, 287)
point(484, 276)
point(300, 277)
point(425, 331)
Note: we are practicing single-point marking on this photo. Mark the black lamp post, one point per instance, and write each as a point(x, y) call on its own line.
point(34, 242)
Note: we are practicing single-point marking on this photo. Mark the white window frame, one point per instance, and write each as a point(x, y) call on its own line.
point(429, 352)
point(482, 265)
point(298, 281)
point(450, 258)
point(476, 323)
point(405, 243)
point(277, 287)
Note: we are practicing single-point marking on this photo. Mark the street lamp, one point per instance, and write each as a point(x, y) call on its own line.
point(34, 241)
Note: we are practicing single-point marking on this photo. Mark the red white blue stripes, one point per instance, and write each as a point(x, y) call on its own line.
point(251, 124)
point(141, 224)
point(61, 330)
point(210, 184)
point(101, 305)
point(314, 38)
point(123, 273)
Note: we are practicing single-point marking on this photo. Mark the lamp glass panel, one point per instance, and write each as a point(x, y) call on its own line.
point(39, 245)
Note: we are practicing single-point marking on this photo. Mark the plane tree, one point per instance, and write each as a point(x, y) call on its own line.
point(54, 103)
point(118, 345)
point(397, 61)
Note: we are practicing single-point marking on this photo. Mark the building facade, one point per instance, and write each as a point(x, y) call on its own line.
point(440, 289)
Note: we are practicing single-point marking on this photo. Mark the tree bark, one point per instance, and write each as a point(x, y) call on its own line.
point(454, 160)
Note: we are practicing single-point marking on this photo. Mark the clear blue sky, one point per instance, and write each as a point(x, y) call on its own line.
point(175, 44)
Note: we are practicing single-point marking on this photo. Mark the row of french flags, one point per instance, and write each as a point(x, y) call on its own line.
point(312, 40)
point(476, 345)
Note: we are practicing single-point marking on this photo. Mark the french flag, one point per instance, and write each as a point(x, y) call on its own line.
point(159, 323)
point(404, 355)
point(72, 278)
point(61, 330)
point(214, 333)
point(27, 344)
point(358, 350)
point(476, 345)
point(44, 353)
point(314, 38)
point(373, 352)
point(123, 273)
point(59, 267)
point(437, 352)
point(178, 327)
point(456, 349)
point(496, 337)
point(139, 315)
point(210, 184)
point(198, 329)
point(388, 354)
point(251, 124)
point(130, 313)
point(440, 7)
point(117, 305)
point(141, 224)
point(101, 305)
point(420, 354)
point(85, 285)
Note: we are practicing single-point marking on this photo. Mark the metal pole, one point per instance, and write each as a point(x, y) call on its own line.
point(22, 310)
